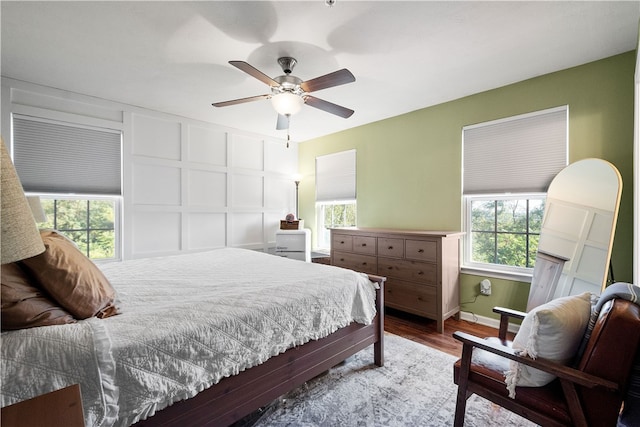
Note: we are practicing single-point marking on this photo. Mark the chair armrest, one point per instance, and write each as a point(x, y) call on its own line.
point(557, 369)
point(505, 315)
point(502, 311)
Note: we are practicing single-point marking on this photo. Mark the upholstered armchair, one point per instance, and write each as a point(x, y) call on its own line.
point(587, 389)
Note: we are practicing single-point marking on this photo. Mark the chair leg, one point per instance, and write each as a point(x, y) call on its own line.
point(461, 407)
point(573, 402)
point(463, 381)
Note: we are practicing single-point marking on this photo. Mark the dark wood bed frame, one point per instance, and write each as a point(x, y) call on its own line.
point(238, 396)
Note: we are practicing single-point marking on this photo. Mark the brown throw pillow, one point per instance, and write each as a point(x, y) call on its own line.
point(24, 305)
point(71, 278)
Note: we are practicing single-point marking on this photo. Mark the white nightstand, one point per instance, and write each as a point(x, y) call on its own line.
point(294, 244)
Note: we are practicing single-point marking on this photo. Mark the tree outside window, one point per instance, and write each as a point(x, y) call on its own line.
point(333, 215)
point(505, 231)
point(89, 223)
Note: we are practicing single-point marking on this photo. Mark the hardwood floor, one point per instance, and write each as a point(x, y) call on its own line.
point(423, 330)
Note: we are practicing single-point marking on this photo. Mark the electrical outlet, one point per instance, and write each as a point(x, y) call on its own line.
point(485, 287)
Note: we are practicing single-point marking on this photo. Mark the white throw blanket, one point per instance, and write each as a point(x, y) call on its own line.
point(187, 322)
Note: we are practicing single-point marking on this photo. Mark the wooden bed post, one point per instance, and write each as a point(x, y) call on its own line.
point(378, 346)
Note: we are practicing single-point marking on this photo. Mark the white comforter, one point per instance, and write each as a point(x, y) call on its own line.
point(187, 321)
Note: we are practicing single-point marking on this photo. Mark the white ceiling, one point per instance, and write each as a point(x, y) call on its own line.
point(173, 56)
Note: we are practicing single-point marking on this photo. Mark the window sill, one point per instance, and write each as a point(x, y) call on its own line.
point(518, 277)
point(105, 260)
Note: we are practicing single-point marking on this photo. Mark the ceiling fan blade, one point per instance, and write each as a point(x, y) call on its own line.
point(336, 78)
point(254, 72)
point(328, 106)
point(282, 123)
point(240, 100)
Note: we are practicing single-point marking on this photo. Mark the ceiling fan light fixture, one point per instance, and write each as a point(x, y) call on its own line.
point(287, 103)
point(289, 93)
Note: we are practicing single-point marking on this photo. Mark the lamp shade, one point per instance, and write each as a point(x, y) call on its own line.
point(20, 237)
point(286, 103)
point(36, 208)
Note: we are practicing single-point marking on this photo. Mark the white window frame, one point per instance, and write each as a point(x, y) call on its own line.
point(335, 185)
point(495, 270)
point(323, 236)
point(81, 122)
point(117, 218)
point(487, 182)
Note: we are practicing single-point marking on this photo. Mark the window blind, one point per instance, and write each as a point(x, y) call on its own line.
point(56, 157)
point(515, 155)
point(336, 177)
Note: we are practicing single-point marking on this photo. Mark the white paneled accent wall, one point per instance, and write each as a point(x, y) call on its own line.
point(187, 185)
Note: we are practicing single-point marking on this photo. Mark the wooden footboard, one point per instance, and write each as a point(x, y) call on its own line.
point(238, 396)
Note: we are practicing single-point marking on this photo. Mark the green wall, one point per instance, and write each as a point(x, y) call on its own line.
point(409, 166)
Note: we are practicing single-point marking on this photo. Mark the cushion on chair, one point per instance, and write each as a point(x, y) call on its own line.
point(490, 360)
point(551, 331)
point(545, 401)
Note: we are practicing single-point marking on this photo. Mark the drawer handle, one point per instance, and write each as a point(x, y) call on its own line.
point(420, 273)
point(364, 244)
point(341, 259)
point(390, 268)
point(420, 251)
point(390, 247)
point(342, 242)
point(364, 263)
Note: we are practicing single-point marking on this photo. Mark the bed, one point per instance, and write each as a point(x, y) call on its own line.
point(201, 339)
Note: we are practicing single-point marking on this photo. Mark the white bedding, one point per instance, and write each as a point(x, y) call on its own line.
point(187, 321)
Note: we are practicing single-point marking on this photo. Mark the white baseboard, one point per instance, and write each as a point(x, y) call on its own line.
point(487, 321)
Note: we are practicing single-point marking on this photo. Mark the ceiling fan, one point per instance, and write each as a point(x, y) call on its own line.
point(289, 93)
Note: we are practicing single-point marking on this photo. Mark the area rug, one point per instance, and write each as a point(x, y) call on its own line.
point(414, 388)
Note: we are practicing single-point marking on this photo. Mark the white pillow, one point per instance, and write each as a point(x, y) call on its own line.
point(552, 331)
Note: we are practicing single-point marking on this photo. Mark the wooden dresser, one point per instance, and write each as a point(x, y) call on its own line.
point(422, 267)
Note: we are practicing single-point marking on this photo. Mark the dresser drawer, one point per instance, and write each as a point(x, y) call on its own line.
point(390, 247)
point(423, 250)
point(417, 299)
point(422, 272)
point(342, 242)
point(364, 245)
point(362, 263)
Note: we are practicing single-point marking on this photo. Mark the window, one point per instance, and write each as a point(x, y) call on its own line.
point(335, 194)
point(91, 222)
point(507, 167)
point(504, 230)
point(76, 171)
point(333, 215)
